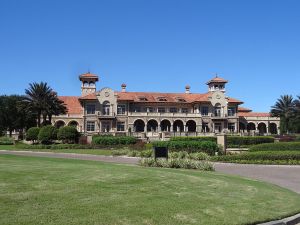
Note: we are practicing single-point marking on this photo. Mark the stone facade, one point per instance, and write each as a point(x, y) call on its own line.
point(161, 115)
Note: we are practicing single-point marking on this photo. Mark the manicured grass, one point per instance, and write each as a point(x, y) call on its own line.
point(78, 151)
point(62, 191)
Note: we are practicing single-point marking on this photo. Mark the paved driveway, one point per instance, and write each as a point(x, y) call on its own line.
point(281, 175)
point(284, 176)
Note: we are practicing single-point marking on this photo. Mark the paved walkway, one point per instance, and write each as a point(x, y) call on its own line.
point(284, 176)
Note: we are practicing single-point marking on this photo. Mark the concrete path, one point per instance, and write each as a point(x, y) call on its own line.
point(103, 158)
point(284, 176)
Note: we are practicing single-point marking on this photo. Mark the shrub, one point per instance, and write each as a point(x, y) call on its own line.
point(68, 134)
point(32, 134)
point(278, 146)
point(189, 146)
point(47, 134)
point(266, 156)
point(112, 140)
point(199, 156)
point(237, 141)
point(119, 152)
point(146, 153)
point(177, 163)
point(6, 140)
point(202, 138)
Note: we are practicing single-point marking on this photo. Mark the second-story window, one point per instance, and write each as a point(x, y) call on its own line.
point(204, 110)
point(161, 109)
point(184, 110)
point(173, 110)
point(106, 108)
point(121, 109)
point(149, 109)
point(231, 111)
point(90, 109)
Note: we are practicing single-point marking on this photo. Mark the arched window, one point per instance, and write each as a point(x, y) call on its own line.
point(106, 108)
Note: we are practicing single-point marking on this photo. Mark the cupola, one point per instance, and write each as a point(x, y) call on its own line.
point(88, 83)
point(217, 84)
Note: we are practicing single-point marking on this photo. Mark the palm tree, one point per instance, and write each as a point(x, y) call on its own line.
point(284, 108)
point(43, 101)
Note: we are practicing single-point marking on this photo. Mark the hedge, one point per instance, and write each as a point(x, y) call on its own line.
point(279, 146)
point(6, 140)
point(32, 134)
point(261, 156)
point(232, 141)
point(189, 146)
point(237, 141)
point(201, 138)
point(113, 140)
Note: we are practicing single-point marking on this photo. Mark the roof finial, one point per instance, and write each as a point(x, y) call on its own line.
point(216, 75)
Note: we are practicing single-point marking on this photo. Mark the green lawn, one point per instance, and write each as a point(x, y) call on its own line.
point(63, 192)
point(78, 151)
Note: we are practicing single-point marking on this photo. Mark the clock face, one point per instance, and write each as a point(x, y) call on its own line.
point(218, 96)
point(106, 94)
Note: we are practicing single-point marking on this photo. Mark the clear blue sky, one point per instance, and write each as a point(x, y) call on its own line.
point(153, 45)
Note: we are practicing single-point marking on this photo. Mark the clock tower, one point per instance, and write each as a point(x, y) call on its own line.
point(88, 83)
point(217, 84)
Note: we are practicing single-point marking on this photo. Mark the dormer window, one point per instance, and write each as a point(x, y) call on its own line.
point(161, 99)
point(179, 99)
point(143, 99)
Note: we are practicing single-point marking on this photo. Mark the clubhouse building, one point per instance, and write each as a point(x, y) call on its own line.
point(153, 115)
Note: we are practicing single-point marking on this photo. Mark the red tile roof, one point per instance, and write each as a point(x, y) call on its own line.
point(154, 97)
point(253, 114)
point(217, 80)
point(243, 109)
point(72, 103)
point(89, 75)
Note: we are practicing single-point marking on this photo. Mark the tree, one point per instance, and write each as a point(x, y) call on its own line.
point(12, 114)
point(47, 134)
point(43, 101)
point(285, 109)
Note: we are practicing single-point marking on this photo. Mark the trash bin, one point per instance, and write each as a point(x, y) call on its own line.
point(160, 152)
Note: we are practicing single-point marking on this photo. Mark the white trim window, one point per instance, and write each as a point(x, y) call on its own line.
point(90, 126)
point(173, 110)
point(90, 109)
point(120, 126)
point(121, 109)
point(161, 110)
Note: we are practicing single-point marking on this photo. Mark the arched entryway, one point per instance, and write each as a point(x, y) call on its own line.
point(165, 125)
point(273, 128)
point(191, 126)
point(262, 128)
point(152, 125)
point(139, 126)
point(106, 108)
point(59, 124)
point(251, 127)
point(73, 123)
point(178, 126)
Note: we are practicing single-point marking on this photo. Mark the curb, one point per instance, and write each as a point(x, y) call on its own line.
point(292, 220)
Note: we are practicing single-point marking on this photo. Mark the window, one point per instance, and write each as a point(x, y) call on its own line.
point(161, 110)
point(204, 110)
point(173, 110)
point(184, 110)
point(231, 111)
point(205, 127)
point(179, 99)
point(90, 109)
point(231, 127)
point(143, 99)
point(120, 126)
point(121, 109)
point(149, 109)
point(137, 109)
point(162, 99)
point(106, 108)
point(90, 126)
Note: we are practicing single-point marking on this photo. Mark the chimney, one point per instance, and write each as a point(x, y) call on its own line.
point(187, 89)
point(123, 86)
